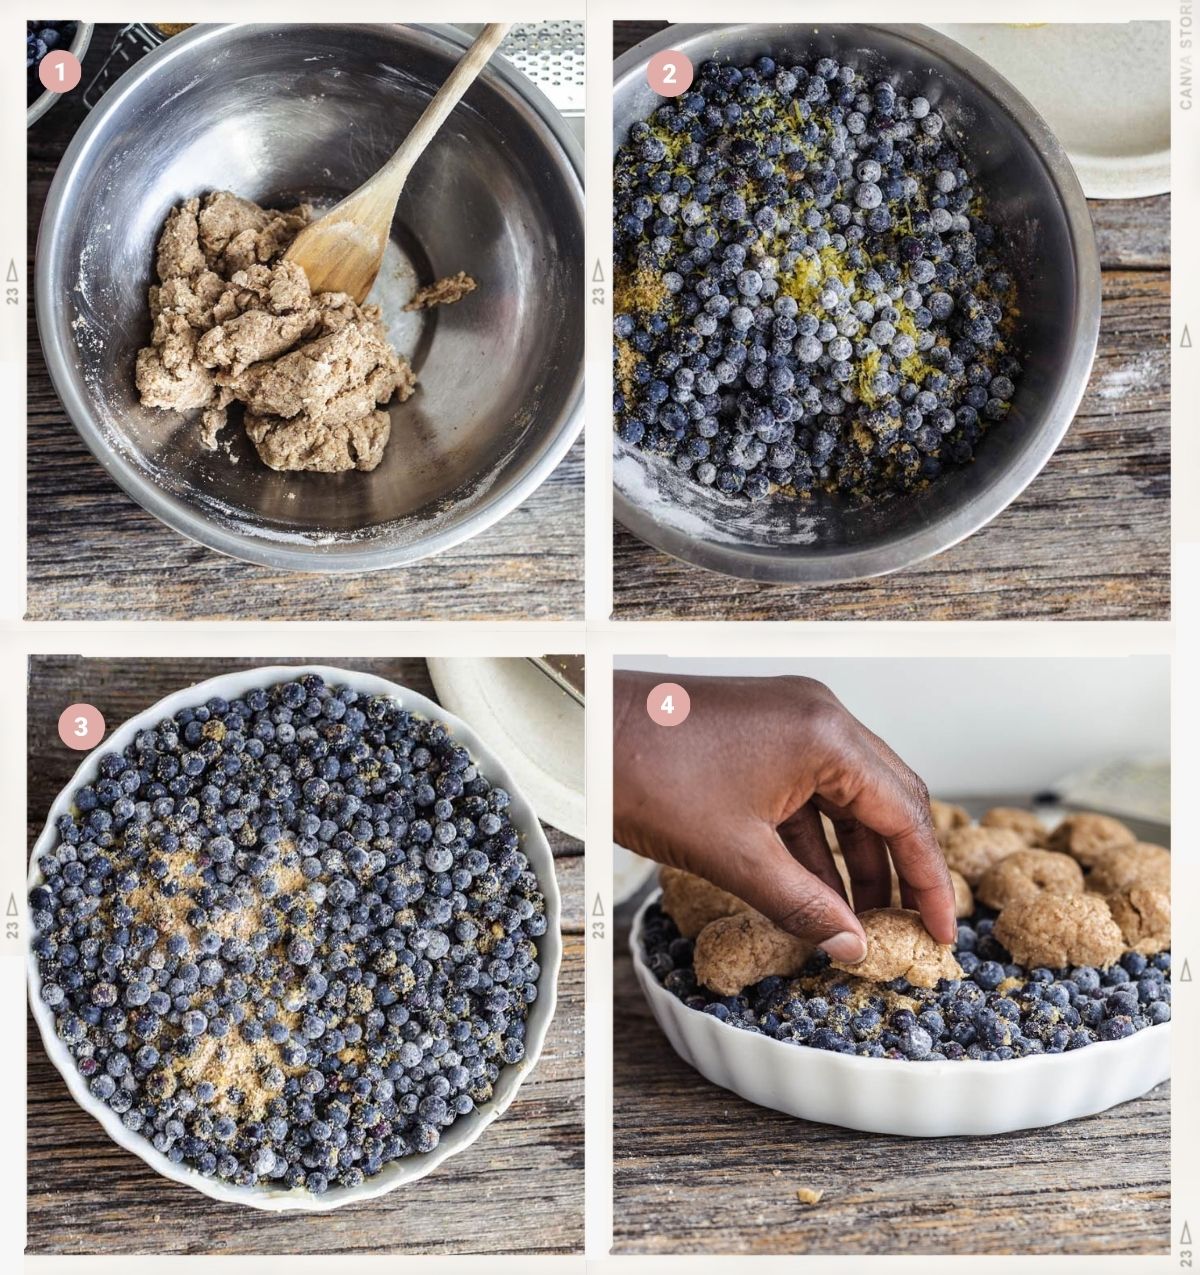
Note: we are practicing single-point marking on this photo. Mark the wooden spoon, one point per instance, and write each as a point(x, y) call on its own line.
point(343, 250)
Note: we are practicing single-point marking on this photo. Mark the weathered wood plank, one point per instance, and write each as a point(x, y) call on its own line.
point(520, 1188)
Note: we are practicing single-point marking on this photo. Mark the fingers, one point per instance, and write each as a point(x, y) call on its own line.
point(761, 870)
point(804, 836)
point(868, 783)
point(867, 862)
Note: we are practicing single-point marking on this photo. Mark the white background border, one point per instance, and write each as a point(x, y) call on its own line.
point(601, 638)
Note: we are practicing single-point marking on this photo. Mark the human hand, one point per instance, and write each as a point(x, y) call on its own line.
point(736, 793)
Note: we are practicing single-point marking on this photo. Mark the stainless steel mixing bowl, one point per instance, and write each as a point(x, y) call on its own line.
point(280, 114)
point(1032, 192)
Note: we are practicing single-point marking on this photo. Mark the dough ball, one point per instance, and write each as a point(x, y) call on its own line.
point(1023, 821)
point(1139, 864)
point(1029, 872)
point(964, 899)
point(972, 851)
point(691, 902)
point(1060, 930)
point(1144, 917)
point(947, 817)
point(734, 952)
point(899, 946)
point(1087, 836)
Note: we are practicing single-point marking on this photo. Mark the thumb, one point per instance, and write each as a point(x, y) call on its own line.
point(759, 869)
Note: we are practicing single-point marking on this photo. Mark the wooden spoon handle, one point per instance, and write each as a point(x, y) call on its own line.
point(444, 101)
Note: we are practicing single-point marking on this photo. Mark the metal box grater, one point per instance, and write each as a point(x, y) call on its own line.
point(550, 54)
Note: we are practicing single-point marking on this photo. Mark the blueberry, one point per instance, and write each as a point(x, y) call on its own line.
point(709, 220)
point(1086, 978)
point(916, 1042)
point(989, 975)
point(1116, 1028)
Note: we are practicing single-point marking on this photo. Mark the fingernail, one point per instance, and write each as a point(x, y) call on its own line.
point(845, 947)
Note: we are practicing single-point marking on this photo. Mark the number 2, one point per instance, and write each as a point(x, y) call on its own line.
point(669, 76)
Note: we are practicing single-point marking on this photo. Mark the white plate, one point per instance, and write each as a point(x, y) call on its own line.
point(892, 1095)
point(465, 1130)
point(534, 725)
point(1104, 88)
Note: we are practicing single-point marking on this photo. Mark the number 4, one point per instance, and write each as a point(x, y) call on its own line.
point(668, 705)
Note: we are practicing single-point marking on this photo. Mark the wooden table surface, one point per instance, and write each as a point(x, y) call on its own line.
point(1100, 1185)
point(518, 1189)
point(94, 553)
point(1089, 539)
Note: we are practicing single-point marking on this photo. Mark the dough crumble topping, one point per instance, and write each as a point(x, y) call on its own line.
point(232, 322)
point(444, 292)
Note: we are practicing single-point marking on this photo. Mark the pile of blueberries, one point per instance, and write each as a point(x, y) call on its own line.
point(40, 38)
point(1050, 1011)
point(380, 989)
point(809, 293)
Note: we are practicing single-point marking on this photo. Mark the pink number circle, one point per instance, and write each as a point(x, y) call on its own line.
point(668, 704)
point(669, 73)
point(81, 726)
point(59, 71)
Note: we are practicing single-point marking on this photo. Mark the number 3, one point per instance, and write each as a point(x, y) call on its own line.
point(81, 727)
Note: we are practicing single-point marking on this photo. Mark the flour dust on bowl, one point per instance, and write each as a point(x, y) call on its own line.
point(757, 516)
point(305, 113)
point(283, 1010)
point(952, 1098)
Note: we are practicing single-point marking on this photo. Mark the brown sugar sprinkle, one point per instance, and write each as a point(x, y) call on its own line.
point(627, 361)
point(642, 289)
point(863, 992)
point(231, 1064)
point(234, 1067)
